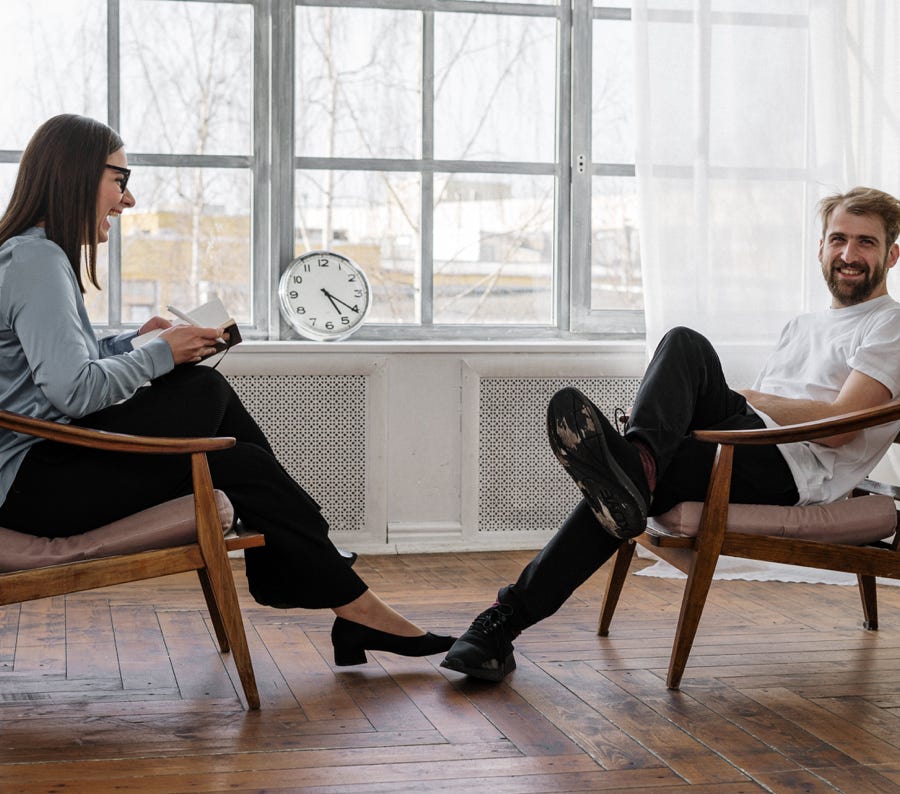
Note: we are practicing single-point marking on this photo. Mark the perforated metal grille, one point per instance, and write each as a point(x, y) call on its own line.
point(522, 486)
point(316, 425)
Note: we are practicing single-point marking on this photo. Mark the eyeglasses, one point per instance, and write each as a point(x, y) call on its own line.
point(125, 172)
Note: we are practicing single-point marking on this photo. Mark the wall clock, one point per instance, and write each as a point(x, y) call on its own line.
point(324, 296)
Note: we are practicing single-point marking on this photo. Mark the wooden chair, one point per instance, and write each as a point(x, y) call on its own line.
point(697, 556)
point(204, 550)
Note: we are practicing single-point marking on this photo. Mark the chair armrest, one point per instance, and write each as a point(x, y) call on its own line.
point(806, 431)
point(868, 486)
point(100, 439)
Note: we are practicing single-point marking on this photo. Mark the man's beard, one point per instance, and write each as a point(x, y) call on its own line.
point(859, 292)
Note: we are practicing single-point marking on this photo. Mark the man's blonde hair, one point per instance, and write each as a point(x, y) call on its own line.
point(864, 201)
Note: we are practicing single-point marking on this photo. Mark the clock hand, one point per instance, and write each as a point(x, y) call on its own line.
point(352, 308)
point(329, 296)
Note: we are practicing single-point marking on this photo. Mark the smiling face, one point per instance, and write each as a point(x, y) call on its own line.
point(855, 258)
point(111, 201)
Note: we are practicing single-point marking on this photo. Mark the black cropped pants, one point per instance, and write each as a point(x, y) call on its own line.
point(297, 567)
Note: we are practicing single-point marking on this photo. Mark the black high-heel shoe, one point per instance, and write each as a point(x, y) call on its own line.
point(352, 640)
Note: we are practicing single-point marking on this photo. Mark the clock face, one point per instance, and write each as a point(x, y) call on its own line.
point(324, 295)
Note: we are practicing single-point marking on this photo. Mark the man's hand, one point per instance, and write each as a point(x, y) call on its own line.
point(858, 392)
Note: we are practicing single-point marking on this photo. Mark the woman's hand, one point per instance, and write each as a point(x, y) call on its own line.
point(153, 323)
point(189, 343)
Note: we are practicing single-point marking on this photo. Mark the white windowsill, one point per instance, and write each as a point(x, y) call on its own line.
point(517, 346)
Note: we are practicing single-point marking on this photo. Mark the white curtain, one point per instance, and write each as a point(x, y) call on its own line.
point(749, 111)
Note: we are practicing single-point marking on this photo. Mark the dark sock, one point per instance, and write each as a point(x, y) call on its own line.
point(647, 461)
point(519, 620)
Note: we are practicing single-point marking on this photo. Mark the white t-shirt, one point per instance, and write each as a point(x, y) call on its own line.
point(815, 355)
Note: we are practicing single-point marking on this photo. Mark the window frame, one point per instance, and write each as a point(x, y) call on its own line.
point(426, 166)
point(258, 162)
point(272, 165)
point(585, 167)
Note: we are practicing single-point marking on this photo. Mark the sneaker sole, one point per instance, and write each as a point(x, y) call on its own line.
point(573, 428)
point(505, 668)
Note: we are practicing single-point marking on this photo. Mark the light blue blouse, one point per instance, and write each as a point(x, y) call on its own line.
point(52, 366)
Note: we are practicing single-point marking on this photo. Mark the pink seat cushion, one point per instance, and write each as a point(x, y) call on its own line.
point(168, 524)
point(862, 519)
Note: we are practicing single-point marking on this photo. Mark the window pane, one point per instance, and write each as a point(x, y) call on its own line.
point(8, 173)
point(775, 278)
point(493, 249)
point(357, 83)
point(494, 87)
point(52, 60)
point(615, 252)
point(767, 68)
point(187, 77)
point(532, 2)
point(721, 6)
point(754, 275)
point(97, 301)
point(187, 240)
point(612, 106)
point(372, 218)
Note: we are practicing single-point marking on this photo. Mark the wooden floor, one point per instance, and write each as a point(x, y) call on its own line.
point(123, 690)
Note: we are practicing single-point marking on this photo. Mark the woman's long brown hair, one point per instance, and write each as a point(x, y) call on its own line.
point(59, 176)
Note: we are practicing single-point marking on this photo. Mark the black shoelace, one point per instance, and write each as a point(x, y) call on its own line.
point(492, 619)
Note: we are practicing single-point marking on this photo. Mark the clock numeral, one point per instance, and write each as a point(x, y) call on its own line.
point(306, 267)
point(297, 279)
point(329, 325)
point(345, 321)
point(301, 310)
point(293, 293)
point(323, 262)
point(351, 277)
point(357, 293)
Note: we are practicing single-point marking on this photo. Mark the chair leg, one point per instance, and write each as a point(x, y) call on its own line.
point(693, 601)
point(220, 577)
point(614, 586)
point(707, 547)
point(214, 614)
point(869, 601)
point(223, 592)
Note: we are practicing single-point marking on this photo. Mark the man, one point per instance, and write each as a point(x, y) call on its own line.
point(827, 363)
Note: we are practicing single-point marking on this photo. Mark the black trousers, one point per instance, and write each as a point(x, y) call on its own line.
point(298, 566)
point(684, 389)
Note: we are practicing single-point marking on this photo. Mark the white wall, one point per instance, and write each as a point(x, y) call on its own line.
point(427, 447)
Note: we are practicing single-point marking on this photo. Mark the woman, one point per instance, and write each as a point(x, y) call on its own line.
point(72, 180)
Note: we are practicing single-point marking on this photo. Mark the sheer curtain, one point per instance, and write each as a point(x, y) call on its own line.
point(749, 111)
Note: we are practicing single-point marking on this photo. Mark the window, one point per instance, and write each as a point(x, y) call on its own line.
point(428, 138)
point(186, 113)
point(474, 157)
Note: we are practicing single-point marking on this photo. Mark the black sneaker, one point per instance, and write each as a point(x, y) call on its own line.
point(606, 467)
point(486, 649)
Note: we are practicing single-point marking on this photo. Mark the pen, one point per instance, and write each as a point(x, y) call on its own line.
point(190, 320)
point(182, 316)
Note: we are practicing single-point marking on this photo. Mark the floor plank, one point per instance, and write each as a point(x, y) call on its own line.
point(123, 689)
